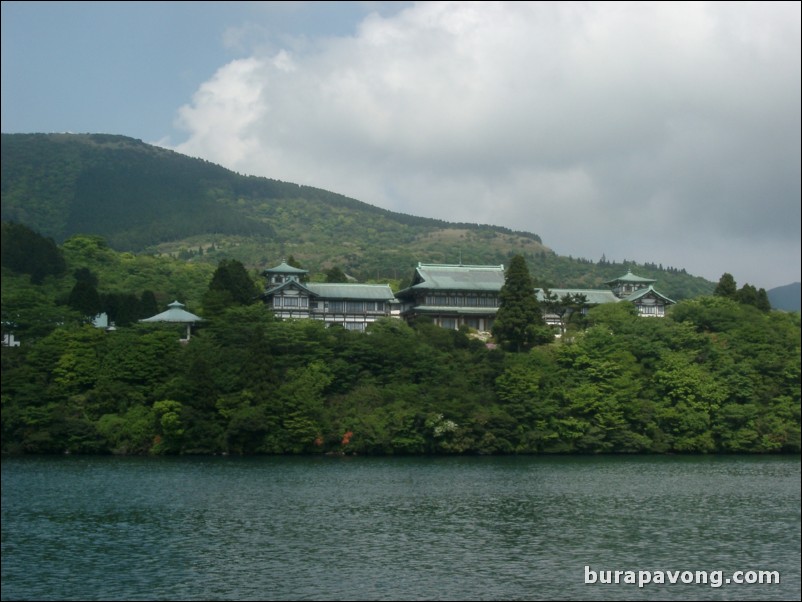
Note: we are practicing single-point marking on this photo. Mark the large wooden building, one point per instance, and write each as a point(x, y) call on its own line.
point(454, 295)
point(629, 287)
point(451, 295)
point(352, 306)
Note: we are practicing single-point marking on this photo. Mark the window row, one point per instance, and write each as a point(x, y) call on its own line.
point(350, 307)
point(339, 307)
point(462, 300)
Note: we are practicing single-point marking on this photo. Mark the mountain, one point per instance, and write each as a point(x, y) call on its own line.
point(146, 199)
point(786, 297)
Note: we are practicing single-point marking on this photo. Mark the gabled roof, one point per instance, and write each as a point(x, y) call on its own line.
point(373, 292)
point(646, 291)
point(174, 314)
point(592, 296)
point(631, 278)
point(289, 284)
point(446, 277)
point(285, 268)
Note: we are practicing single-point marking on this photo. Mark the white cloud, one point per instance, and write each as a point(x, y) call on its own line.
point(658, 132)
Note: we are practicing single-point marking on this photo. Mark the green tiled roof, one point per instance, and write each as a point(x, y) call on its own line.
point(643, 292)
point(373, 292)
point(447, 277)
point(593, 296)
point(288, 284)
point(630, 277)
point(174, 314)
point(285, 268)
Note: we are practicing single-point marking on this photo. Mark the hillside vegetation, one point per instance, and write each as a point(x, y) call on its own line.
point(718, 374)
point(148, 200)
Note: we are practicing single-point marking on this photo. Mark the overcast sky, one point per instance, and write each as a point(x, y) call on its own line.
point(661, 132)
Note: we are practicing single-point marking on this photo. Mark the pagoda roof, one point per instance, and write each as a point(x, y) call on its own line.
point(630, 277)
point(446, 277)
point(285, 268)
point(174, 314)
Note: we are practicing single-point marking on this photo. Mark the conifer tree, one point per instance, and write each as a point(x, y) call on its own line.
point(726, 287)
point(519, 322)
point(230, 285)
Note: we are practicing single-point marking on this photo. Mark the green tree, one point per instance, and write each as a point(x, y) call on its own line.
point(519, 323)
point(749, 295)
point(84, 297)
point(565, 307)
point(336, 275)
point(123, 308)
point(231, 285)
point(147, 304)
point(726, 286)
point(27, 252)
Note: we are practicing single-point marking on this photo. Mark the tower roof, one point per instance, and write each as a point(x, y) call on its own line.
point(631, 278)
point(285, 268)
point(174, 314)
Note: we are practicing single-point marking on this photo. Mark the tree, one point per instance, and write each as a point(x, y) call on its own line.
point(27, 252)
point(519, 323)
point(122, 308)
point(230, 286)
point(749, 295)
point(148, 305)
point(563, 307)
point(726, 287)
point(84, 296)
point(335, 275)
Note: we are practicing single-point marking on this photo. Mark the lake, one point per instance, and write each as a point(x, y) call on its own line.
point(446, 528)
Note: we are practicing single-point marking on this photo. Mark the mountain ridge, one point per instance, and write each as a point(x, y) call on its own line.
point(787, 297)
point(146, 199)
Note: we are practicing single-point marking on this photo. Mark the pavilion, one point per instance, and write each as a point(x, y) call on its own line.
point(176, 315)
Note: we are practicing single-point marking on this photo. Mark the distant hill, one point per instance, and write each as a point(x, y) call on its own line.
point(786, 297)
point(146, 199)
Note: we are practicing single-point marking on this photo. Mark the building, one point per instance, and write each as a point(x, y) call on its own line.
point(352, 306)
point(176, 314)
point(451, 295)
point(454, 295)
point(629, 287)
point(640, 292)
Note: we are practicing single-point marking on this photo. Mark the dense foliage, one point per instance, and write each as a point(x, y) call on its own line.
point(716, 376)
point(27, 252)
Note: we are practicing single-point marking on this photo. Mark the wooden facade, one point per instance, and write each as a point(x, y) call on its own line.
point(454, 295)
point(352, 306)
point(451, 295)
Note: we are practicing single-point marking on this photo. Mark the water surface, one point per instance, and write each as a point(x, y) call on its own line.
point(479, 528)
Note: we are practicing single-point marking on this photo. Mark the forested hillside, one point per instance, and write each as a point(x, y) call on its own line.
point(719, 374)
point(716, 376)
point(148, 200)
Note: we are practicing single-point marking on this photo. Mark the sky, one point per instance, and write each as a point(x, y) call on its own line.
point(651, 132)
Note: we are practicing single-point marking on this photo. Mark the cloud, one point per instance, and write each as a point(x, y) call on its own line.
point(655, 132)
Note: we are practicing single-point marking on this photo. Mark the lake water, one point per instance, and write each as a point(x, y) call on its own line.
point(350, 528)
